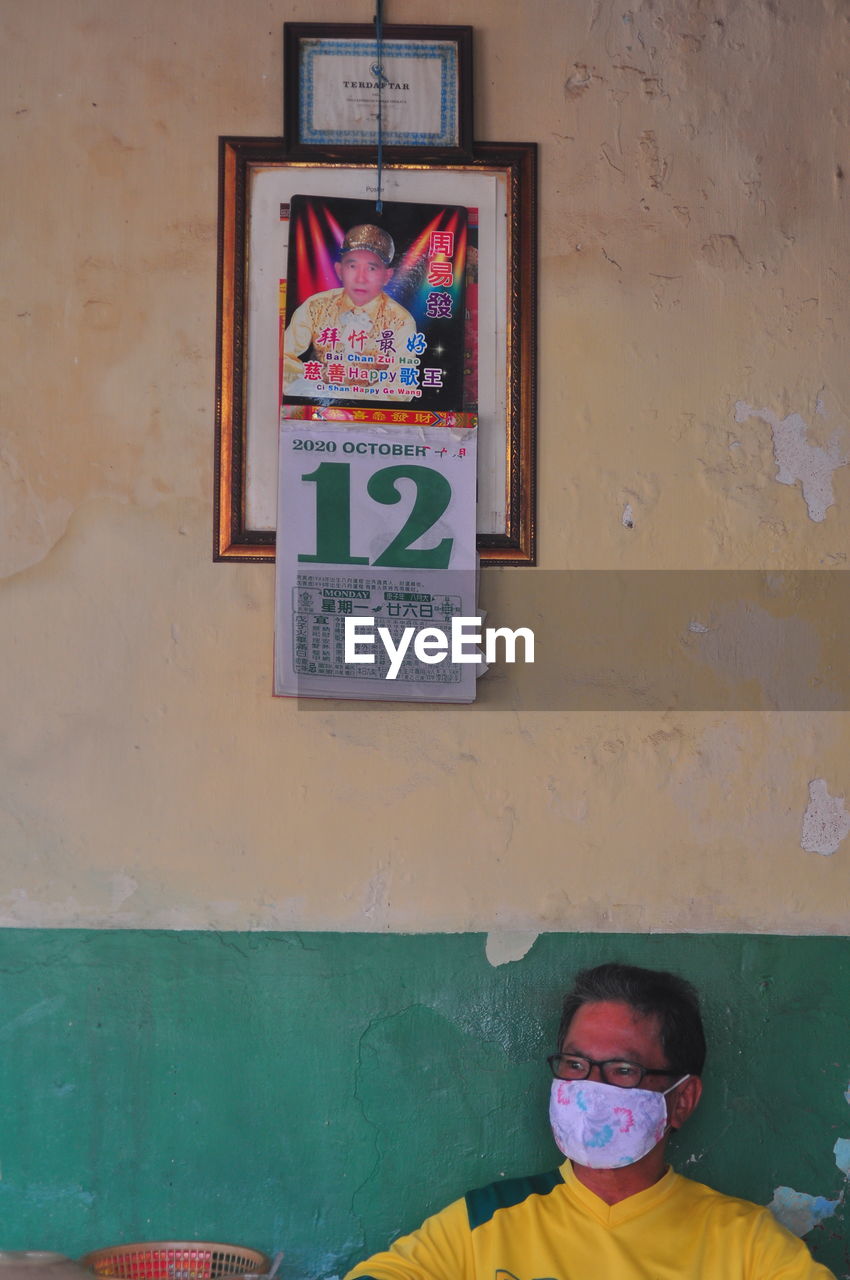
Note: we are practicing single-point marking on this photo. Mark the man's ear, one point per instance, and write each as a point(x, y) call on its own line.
point(338, 270)
point(682, 1103)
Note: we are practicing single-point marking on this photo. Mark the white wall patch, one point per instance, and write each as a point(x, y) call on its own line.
point(799, 460)
point(826, 822)
point(798, 1211)
point(507, 945)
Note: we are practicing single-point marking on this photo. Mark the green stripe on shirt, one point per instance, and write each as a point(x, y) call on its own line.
point(482, 1204)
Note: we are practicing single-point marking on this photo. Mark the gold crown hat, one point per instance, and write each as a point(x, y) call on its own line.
point(375, 239)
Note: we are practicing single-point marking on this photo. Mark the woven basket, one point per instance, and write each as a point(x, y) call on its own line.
point(176, 1260)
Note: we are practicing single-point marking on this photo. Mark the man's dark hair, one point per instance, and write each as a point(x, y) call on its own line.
point(668, 997)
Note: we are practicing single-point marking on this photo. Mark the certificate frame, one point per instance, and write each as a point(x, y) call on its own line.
point(253, 174)
point(330, 94)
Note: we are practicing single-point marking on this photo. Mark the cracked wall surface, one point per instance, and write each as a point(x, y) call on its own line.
point(693, 400)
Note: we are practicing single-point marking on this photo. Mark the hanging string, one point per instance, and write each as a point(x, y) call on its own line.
point(379, 36)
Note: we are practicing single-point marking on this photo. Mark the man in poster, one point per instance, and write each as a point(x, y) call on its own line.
point(359, 319)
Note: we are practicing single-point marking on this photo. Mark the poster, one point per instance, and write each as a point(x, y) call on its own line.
point(375, 586)
point(373, 310)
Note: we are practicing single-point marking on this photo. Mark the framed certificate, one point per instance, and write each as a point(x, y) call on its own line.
point(336, 79)
point(260, 188)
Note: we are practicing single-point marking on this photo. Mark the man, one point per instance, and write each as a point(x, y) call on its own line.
point(627, 1074)
point(355, 338)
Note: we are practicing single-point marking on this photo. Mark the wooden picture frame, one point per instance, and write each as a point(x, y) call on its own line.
point(256, 177)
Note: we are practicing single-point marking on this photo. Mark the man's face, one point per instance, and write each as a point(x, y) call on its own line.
point(362, 275)
point(608, 1030)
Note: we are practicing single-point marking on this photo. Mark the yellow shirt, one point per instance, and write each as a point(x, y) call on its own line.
point(552, 1228)
point(352, 346)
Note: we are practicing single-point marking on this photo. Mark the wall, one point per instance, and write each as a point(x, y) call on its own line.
point(692, 236)
point(693, 397)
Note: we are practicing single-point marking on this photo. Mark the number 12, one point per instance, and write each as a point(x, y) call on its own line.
point(333, 516)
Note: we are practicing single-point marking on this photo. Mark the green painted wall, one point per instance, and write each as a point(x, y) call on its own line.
point(322, 1092)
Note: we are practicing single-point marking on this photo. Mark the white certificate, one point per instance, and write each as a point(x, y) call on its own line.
point(339, 81)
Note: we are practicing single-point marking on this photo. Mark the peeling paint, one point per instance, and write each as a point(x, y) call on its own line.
point(799, 460)
point(800, 1212)
point(578, 80)
point(628, 516)
point(508, 945)
point(826, 822)
point(841, 1151)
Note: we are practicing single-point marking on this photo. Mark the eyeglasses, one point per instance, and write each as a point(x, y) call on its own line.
point(627, 1075)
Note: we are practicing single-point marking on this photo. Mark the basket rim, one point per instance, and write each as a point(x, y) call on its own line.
point(173, 1246)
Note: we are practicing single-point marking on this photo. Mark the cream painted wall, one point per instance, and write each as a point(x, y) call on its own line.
point(693, 337)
